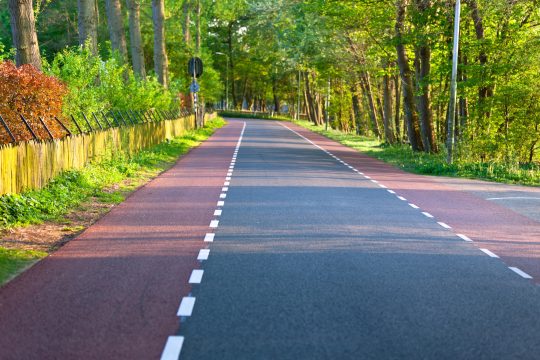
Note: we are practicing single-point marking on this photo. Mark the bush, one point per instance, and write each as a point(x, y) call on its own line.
point(25, 90)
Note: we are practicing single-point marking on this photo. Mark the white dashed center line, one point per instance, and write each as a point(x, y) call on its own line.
point(391, 192)
point(413, 206)
point(520, 273)
point(220, 203)
point(401, 198)
point(464, 237)
point(186, 306)
point(209, 237)
point(172, 348)
point(225, 189)
point(446, 226)
point(203, 254)
point(489, 253)
point(218, 212)
point(214, 224)
point(196, 276)
point(427, 214)
point(222, 196)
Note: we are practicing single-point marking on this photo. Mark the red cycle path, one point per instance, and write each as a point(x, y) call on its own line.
point(113, 292)
point(512, 236)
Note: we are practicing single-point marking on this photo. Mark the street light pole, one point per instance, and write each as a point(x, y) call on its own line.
point(453, 87)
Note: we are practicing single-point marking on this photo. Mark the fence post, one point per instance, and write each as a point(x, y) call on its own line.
point(7, 129)
point(76, 124)
point(106, 120)
point(62, 125)
point(87, 122)
point(46, 128)
point(28, 127)
point(97, 121)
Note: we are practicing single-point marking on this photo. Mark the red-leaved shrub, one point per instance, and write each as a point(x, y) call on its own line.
point(27, 91)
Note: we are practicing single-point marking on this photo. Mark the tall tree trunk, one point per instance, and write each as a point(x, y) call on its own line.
point(137, 52)
point(356, 107)
point(198, 23)
point(116, 28)
point(411, 116)
point(160, 53)
point(387, 113)
point(88, 24)
point(312, 111)
point(397, 112)
point(365, 83)
point(277, 105)
point(24, 33)
point(186, 9)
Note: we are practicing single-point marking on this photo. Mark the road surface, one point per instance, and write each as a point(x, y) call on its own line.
point(271, 242)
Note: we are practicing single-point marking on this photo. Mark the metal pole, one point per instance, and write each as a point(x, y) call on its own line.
point(453, 87)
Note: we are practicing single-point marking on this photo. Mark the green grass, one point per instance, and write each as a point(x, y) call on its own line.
point(432, 164)
point(13, 262)
point(72, 188)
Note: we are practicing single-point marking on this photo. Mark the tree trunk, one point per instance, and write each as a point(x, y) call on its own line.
point(160, 53)
point(277, 105)
point(387, 113)
point(365, 83)
point(198, 23)
point(411, 116)
point(186, 9)
point(88, 24)
point(231, 63)
point(24, 33)
point(356, 108)
point(312, 111)
point(116, 28)
point(137, 52)
point(397, 112)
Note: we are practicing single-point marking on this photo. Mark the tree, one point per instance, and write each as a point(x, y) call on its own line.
point(135, 39)
point(116, 28)
point(24, 33)
point(88, 24)
point(160, 53)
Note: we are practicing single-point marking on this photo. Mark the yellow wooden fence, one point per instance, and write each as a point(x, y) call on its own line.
point(30, 165)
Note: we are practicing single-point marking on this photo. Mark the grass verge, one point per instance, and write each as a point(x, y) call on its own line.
point(431, 164)
point(108, 181)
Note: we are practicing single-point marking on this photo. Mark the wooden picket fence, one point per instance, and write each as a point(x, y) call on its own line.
point(32, 164)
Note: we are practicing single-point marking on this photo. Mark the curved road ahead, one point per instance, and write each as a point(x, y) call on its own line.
point(286, 245)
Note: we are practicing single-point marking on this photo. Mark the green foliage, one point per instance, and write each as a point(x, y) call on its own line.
point(433, 164)
point(14, 261)
point(74, 187)
point(95, 84)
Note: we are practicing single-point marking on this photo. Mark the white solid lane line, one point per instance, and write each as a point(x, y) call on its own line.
point(413, 206)
point(172, 348)
point(446, 226)
point(464, 237)
point(427, 214)
point(214, 224)
point(209, 237)
point(203, 254)
point(218, 212)
point(489, 253)
point(520, 272)
point(186, 306)
point(220, 203)
point(196, 276)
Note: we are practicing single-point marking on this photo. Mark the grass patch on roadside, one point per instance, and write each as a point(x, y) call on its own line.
point(72, 188)
point(13, 262)
point(431, 164)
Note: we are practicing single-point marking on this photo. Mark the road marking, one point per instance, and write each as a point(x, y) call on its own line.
point(229, 173)
point(225, 189)
point(220, 203)
point(209, 237)
point(172, 348)
point(446, 226)
point(361, 173)
point(464, 237)
point(227, 183)
point(520, 272)
point(374, 181)
point(203, 254)
point(350, 167)
point(196, 276)
point(489, 253)
point(382, 186)
point(391, 191)
point(413, 206)
point(186, 306)
point(228, 178)
point(218, 212)
point(222, 196)
point(401, 198)
point(427, 214)
point(231, 167)
point(214, 224)
point(515, 198)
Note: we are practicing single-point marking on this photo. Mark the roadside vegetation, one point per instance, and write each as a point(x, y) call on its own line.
point(108, 181)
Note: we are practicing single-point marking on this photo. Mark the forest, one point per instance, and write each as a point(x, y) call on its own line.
point(374, 68)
